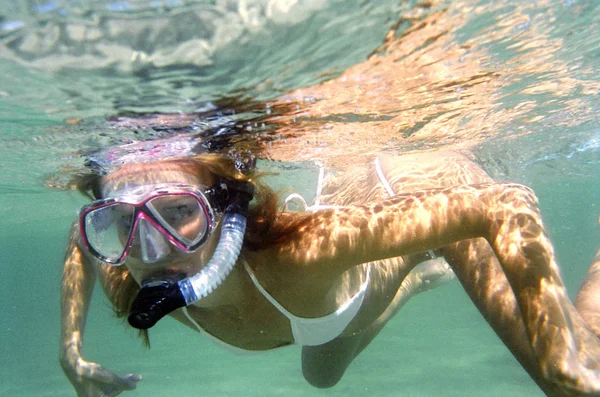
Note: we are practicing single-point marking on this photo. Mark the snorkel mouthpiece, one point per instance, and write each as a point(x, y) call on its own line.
point(156, 299)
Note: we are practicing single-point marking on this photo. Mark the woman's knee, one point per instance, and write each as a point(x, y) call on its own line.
point(323, 366)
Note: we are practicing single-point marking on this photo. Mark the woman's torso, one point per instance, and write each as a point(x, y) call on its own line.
point(238, 314)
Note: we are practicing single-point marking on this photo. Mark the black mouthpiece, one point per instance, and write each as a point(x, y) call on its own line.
point(154, 301)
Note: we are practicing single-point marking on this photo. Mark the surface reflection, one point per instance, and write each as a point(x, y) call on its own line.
point(431, 87)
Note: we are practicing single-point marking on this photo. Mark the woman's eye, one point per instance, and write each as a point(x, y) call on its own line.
point(181, 209)
point(119, 216)
point(178, 213)
point(125, 222)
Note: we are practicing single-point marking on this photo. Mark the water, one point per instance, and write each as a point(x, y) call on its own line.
point(516, 83)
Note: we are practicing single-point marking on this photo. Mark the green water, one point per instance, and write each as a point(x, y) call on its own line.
point(437, 345)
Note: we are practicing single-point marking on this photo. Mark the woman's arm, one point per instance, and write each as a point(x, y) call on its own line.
point(335, 240)
point(79, 276)
point(508, 217)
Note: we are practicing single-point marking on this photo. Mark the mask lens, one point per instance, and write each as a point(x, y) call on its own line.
point(182, 215)
point(107, 229)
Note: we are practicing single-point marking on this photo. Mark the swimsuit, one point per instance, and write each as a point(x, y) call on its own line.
point(306, 331)
point(318, 330)
point(309, 331)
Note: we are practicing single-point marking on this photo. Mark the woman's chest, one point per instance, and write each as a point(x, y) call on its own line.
point(237, 314)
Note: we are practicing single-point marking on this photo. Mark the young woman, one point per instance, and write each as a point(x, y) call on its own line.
point(207, 244)
point(199, 240)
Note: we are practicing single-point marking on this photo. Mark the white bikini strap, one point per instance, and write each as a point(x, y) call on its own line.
point(295, 196)
point(287, 313)
point(319, 185)
point(382, 178)
point(388, 188)
point(317, 201)
point(191, 320)
point(263, 291)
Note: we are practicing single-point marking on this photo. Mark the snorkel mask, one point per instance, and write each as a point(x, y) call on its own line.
point(181, 214)
point(168, 215)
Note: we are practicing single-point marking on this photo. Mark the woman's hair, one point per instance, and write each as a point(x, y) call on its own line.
point(267, 224)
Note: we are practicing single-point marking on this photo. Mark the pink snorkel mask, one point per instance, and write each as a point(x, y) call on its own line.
point(179, 214)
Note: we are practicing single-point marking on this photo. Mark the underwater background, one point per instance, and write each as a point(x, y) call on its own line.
point(515, 82)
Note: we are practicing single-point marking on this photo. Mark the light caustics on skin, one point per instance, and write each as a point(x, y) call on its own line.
point(507, 215)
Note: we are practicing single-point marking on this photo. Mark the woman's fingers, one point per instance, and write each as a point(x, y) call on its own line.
point(95, 380)
point(123, 383)
point(131, 380)
point(111, 384)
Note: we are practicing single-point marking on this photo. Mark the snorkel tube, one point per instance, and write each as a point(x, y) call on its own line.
point(156, 299)
point(219, 266)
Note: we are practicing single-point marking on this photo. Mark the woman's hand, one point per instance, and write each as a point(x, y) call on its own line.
point(93, 380)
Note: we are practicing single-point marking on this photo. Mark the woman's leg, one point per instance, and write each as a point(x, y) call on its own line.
point(565, 348)
point(323, 366)
point(587, 301)
point(479, 271)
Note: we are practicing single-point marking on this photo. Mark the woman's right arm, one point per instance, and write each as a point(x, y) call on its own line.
point(79, 277)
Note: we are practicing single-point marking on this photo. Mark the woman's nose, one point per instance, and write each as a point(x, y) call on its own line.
point(154, 246)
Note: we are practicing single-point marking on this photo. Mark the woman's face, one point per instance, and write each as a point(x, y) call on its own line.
point(180, 211)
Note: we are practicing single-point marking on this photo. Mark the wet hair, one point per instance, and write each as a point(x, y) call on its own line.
point(267, 224)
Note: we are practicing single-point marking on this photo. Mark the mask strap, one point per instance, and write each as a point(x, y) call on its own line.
point(229, 195)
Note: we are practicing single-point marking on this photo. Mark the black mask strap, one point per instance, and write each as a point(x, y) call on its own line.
point(231, 196)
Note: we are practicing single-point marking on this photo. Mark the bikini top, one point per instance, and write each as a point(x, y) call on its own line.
point(306, 331)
